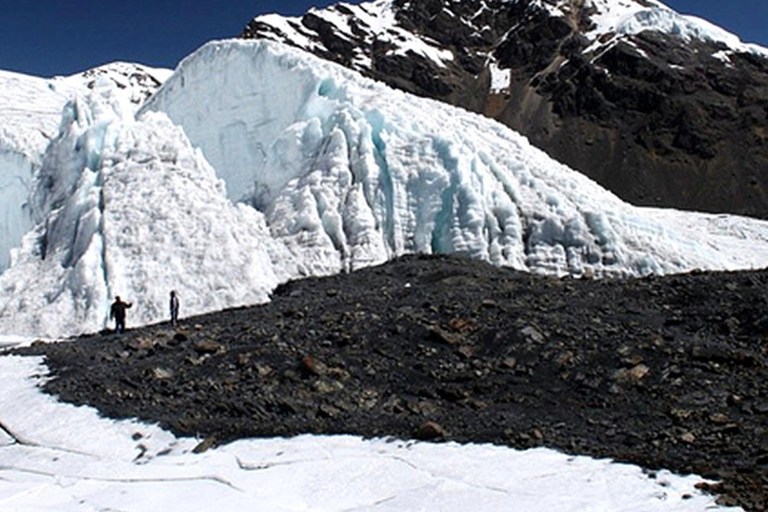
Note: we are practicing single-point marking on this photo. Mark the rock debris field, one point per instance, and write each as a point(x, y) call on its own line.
point(665, 372)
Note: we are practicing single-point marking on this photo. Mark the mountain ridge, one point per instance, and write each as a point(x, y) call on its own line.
point(662, 109)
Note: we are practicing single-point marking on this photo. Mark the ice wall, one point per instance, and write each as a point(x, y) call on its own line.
point(349, 172)
point(131, 209)
point(30, 116)
point(30, 112)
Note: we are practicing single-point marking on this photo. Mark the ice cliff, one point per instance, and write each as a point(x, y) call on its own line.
point(30, 111)
point(349, 172)
point(30, 115)
point(130, 208)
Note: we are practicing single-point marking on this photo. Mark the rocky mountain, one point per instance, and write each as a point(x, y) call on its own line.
point(662, 109)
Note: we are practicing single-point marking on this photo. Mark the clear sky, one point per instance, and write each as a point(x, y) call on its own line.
point(62, 37)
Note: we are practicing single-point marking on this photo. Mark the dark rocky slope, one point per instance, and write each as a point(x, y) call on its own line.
point(664, 372)
point(658, 120)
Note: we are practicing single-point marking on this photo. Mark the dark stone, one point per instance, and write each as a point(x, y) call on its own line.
point(429, 431)
point(208, 347)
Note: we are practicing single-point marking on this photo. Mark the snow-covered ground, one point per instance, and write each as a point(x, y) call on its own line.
point(55, 457)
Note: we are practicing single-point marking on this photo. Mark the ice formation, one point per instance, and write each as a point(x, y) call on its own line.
point(256, 163)
point(130, 208)
point(30, 115)
point(349, 172)
point(30, 111)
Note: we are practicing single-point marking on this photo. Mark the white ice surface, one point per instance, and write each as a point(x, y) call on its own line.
point(60, 458)
point(30, 112)
point(349, 172)
point(123, 204)
point(30, 116)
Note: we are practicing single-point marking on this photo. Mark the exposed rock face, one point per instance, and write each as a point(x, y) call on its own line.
point(658, 118)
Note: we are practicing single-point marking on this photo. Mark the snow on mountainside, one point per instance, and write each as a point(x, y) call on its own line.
point(379, 24)
point(660, 108)
point(612, 20)
point(30, 115)
point(342, 171)
point(135, 81)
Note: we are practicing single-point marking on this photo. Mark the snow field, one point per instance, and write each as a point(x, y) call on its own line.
point(69, 459)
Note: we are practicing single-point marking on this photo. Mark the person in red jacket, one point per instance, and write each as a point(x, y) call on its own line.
point(117, 311)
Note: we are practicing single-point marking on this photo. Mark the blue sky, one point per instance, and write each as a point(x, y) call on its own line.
point(62, 37)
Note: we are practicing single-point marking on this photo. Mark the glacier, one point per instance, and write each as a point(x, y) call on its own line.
point(30, 111)
point(349, 172)
point(256, 163)
point(30, 117)
point(130, 208)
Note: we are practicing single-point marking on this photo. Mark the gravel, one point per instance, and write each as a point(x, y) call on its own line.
point(665, 372)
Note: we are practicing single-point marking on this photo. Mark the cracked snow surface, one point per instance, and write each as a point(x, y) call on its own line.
point(57, 457)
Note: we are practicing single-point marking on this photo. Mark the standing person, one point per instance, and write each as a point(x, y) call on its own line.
point(117, 311)
point(174, 308)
